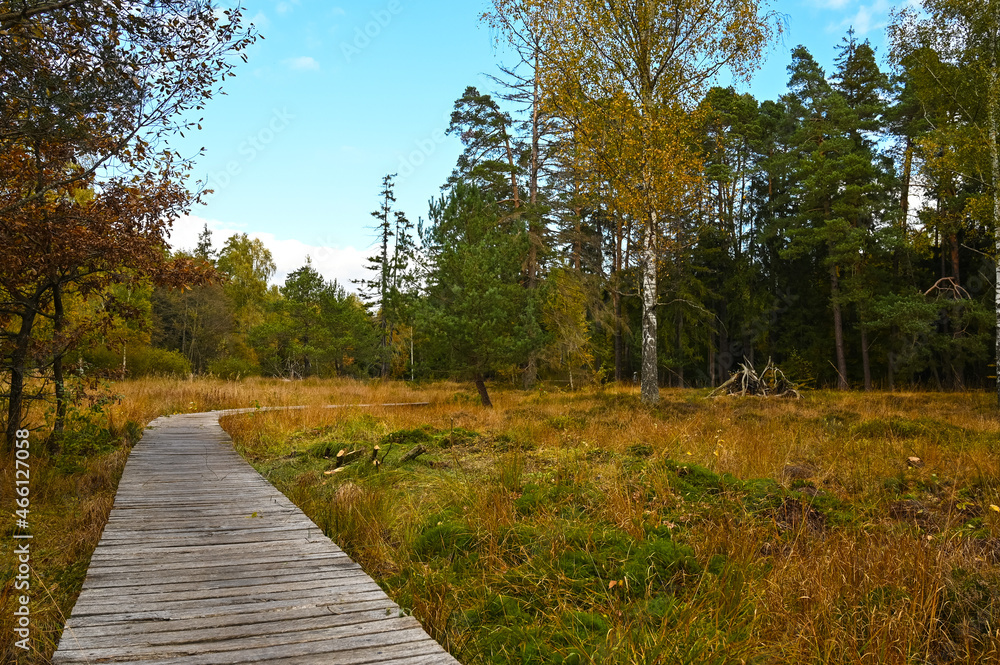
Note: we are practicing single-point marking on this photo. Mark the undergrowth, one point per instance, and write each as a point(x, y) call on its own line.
point(73, 479)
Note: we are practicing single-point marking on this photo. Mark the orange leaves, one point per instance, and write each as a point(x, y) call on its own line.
point(184, 273)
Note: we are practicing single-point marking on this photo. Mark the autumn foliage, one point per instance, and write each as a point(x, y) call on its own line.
point(92, 94)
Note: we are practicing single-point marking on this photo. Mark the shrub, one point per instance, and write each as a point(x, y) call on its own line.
point(150, 361)
point(100, 358)
point(233, 368)
point(140, 361)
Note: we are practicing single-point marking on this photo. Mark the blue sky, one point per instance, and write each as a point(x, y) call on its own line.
point(338, 94)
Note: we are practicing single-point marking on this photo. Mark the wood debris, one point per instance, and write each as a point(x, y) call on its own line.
point(771, 382)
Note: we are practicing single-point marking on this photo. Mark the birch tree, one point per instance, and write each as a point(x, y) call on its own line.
point(623, 79)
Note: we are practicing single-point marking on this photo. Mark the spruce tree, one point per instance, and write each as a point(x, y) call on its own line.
point(830, 190)
point(386, 292)
point(476, 318)
point(868, 180)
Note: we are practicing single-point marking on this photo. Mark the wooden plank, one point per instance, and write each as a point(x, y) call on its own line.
point(128, 576)
point(110, 567)
point(203, 561)
point(345, 637)
point(407, 653)
point(279, 621)
point(143, 621)
point(371, 648)
point(321, 659)
point(170, 590)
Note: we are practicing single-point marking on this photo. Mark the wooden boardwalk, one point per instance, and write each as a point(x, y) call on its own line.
point(203, 562)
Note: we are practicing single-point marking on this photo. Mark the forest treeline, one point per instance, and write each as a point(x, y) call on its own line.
point(612, 216)
point(834, 230)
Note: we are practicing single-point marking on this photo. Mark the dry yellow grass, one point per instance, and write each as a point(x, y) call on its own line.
point(877, 562)
point(881, 585)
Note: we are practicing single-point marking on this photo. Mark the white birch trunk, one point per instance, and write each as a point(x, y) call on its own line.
point(994, 101)
point(650, 380)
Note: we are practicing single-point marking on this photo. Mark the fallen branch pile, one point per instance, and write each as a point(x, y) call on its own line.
point(771, 382)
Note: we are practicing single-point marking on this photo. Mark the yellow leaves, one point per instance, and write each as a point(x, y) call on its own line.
point(624, 78)
point(564, 314)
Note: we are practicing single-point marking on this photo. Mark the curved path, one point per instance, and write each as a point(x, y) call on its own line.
point(203, 562)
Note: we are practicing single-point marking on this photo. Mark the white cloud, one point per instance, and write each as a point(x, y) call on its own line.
point(260, 21)
point(331, 260)
point(869, 18)
point(302, 63)
point(286, 7)
point(831, 4)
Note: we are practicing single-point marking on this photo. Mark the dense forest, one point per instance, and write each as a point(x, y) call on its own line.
point(612, 217)
point(838, 230)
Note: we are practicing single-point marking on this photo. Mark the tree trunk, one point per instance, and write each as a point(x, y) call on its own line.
point(994, 103)
point(865, 360)
point(184, 327)
point(725, 357)
point(838, 329)
point(530, 376)
point(534, 228)
point(904, 201)
point(513, 172)
point(891, 356)
point(484, 396)
point(680, 345)
point(616, 296)
point(650, 380)
point(953, 247)
point(57, 362)
point(619, 356)
point(18, 367)
point(891, 371)
point(711, 360)
point(577, 250)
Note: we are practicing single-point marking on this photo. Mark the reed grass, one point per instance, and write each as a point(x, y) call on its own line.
point(585, 527)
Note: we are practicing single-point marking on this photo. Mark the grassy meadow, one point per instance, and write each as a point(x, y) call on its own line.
point(585, 527)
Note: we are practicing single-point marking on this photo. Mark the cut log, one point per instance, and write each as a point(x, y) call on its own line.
point(414, 453)
point(344, 458)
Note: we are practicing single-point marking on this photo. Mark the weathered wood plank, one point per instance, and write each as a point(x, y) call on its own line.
point(321, 659)
point(168, 591)
point(112, 576)
point(345, 637)
point(112, 566)
point(103, 625)
point(203, 561)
